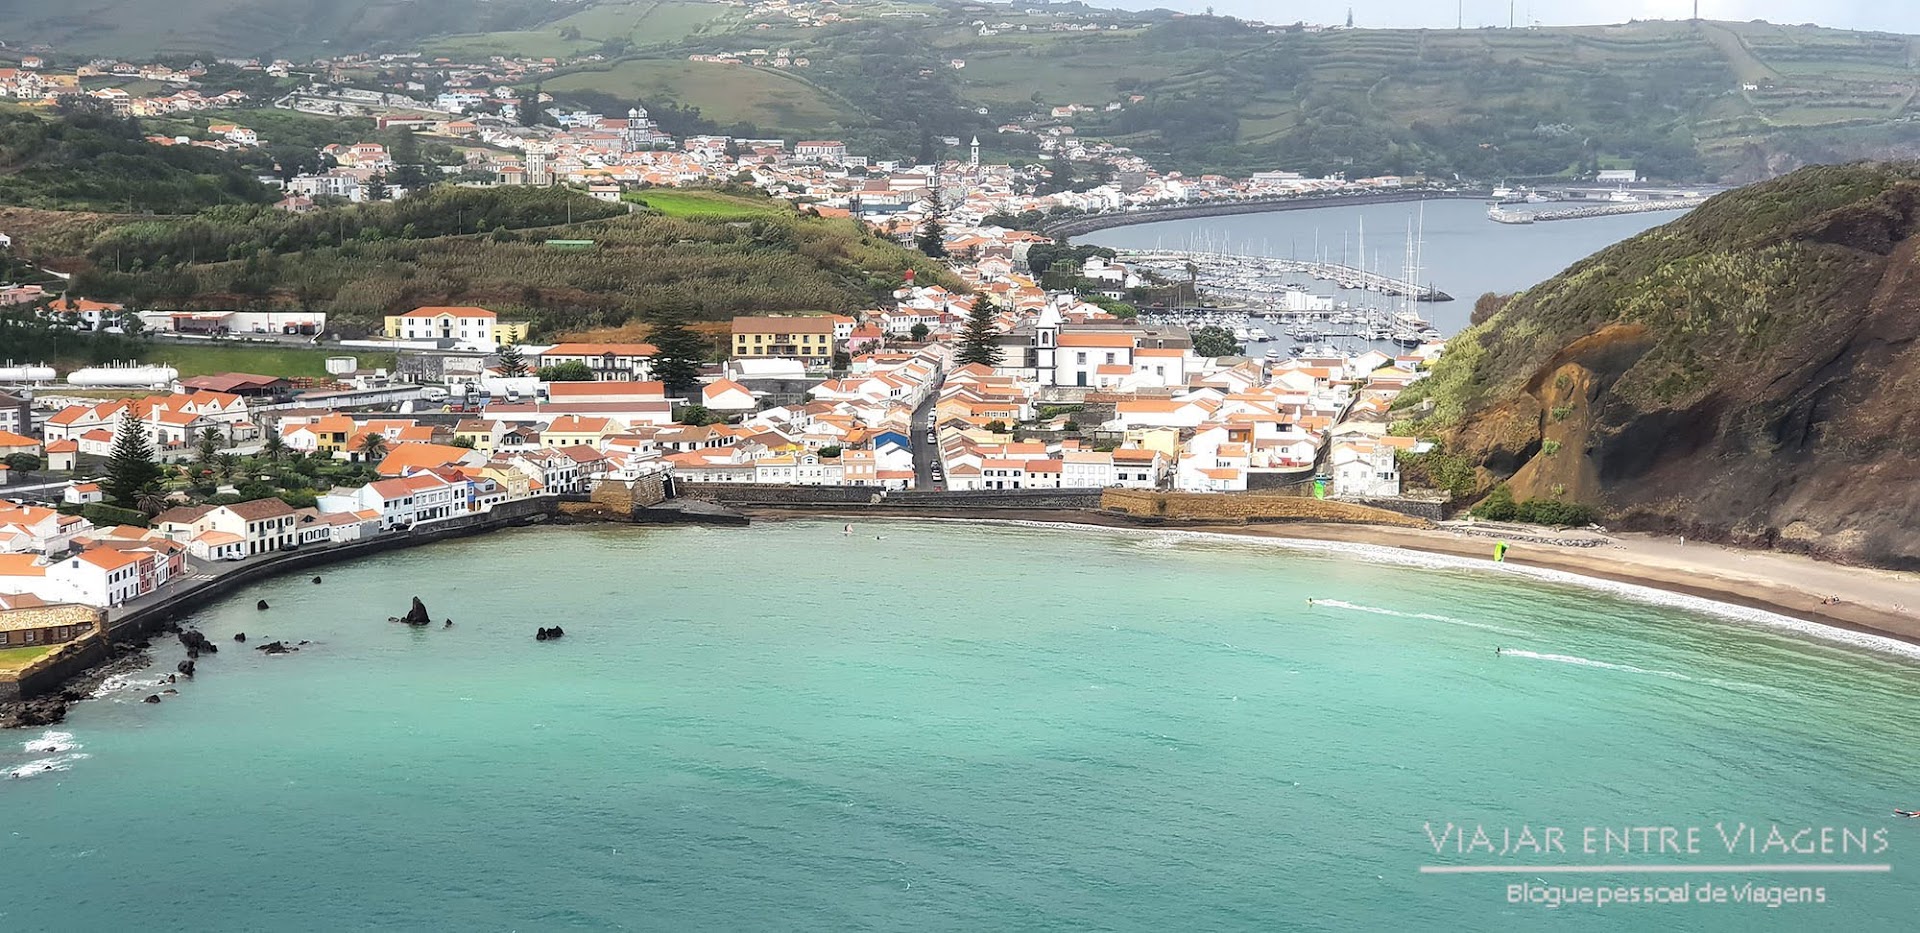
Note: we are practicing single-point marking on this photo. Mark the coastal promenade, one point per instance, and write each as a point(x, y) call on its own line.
point(210, 580)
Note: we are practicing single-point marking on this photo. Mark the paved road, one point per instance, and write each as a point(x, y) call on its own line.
point(925, 455)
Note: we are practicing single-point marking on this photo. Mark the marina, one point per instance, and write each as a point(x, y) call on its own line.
point(1253, 278)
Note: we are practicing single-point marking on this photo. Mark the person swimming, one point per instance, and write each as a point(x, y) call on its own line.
point(1496, 650)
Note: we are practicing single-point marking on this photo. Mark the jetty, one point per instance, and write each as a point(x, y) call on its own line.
point(1609, 209)
point(1249, 274)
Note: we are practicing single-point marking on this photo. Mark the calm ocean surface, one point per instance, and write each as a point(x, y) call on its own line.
point(957, 728)
point(1466, 255)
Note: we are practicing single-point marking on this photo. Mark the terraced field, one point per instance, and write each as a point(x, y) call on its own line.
point(728, 94)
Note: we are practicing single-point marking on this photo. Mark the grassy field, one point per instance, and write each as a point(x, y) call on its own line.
point(193, 359)
point(724, 93)
point(689, 203)
point(15, 659)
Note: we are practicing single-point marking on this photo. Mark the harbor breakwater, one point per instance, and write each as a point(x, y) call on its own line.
point(1087, 223)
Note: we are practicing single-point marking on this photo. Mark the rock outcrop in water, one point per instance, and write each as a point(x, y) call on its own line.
point(549, 634)
point(416, 615)
point(197, 644)
point(277, 647)
point(1743, 374)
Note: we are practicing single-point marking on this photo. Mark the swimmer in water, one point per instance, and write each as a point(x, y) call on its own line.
point(1309, 602)
point(1497, 650)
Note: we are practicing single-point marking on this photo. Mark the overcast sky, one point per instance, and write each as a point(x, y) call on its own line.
point(1890, 15)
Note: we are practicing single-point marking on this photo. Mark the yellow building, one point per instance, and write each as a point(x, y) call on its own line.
point(568, 430)
point(802, 338)
point(465, 324)
point(517, 483)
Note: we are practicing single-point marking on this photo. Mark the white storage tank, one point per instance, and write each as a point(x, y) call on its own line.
point(123, 377)
point(26, 373)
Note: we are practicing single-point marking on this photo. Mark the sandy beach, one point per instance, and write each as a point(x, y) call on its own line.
point(1878, 602)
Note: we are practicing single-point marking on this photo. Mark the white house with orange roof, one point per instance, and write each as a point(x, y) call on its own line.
point(727, 396)
point(32, 528)
point(1080, 354)
point(82, 493)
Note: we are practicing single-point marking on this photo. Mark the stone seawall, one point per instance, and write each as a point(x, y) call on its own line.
point(134, 621)
point(757, 494)
point(47, 674)
point(1241, 508)
point(772, 494)
point(1432, 510)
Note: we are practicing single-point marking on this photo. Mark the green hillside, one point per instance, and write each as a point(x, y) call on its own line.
point(88, 161)
point(1686, 101)
point(738, 254)
point(1740, 374)
point(255, 27)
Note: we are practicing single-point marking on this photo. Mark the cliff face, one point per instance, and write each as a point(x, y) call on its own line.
point(1748, 373)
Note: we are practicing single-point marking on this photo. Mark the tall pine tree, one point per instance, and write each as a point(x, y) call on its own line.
point(981, 342)
point(131, 470)
point(678, 352)
point(512, 361)
point(933, 234)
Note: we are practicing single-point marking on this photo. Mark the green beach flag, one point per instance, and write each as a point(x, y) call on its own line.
point(1500, 551)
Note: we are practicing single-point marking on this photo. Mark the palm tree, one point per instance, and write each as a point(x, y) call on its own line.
point(273, 447)
point(373, 447)
point(228, 465)
point(150, 502)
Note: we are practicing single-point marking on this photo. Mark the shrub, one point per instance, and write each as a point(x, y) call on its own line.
point(1498, 506)
point(1554, 512)
point(1549, 447)
point(103, 515)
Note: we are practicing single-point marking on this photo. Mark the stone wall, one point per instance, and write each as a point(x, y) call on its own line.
point(998, 499)
point(47, 674)
point(1242, 507)
point(772, 494)
point(624, 497)
point(1432, 510)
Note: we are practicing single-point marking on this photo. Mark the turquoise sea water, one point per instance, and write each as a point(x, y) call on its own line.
point(955, 728)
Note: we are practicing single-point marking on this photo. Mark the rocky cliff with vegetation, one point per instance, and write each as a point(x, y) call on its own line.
point(1746, 373)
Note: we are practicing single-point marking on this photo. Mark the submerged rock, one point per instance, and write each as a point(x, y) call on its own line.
point(316, 579)
point(549, 634)
point(262, 605)
point(240, 637)
point(151, 698)
point(276, 647)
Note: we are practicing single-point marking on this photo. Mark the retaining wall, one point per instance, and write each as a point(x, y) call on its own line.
point(1243, 507)
point(47, 674)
